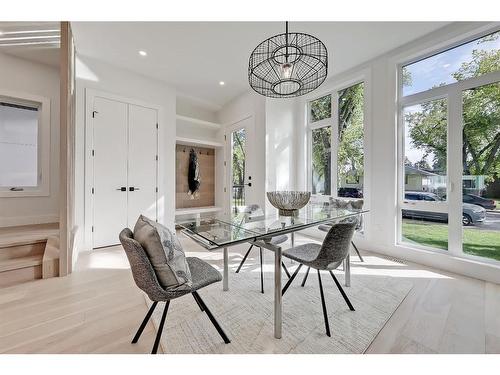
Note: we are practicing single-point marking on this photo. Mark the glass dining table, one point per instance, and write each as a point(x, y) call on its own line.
point(221, 231)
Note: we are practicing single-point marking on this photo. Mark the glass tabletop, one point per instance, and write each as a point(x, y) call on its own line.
point(222, 230)
point(217, 232)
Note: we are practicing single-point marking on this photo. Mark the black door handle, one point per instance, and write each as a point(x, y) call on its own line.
point(132, 188)
point(249, 184)
point(123, 188)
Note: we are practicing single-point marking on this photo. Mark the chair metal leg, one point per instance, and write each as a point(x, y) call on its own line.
point(261, 272)
point(285, 269)
point(160, 328)
point(347, 270)
point(291, 279)
point(244, 259)
point(305, 277)
point(325, 314)
point(357, 251)
point(342, 292)
point(212, 319)
point(198, 302)
point(144, 322)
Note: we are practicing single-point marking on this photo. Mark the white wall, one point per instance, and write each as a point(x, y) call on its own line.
point(244, 106)
point(104, 77)
point(28, 77)
point(281, 145)
point(189, 107)
point(192, 107)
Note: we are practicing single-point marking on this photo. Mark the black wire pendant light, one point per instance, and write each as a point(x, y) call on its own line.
point(288, 65)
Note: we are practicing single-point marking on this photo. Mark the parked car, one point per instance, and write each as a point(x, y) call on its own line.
point(489, 204)
point(472, 214)
point(350, 192)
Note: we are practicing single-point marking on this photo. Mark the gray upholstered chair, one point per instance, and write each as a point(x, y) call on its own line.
point(254, 209)
point(325, 257)
point(202, 274)
point(356, 204)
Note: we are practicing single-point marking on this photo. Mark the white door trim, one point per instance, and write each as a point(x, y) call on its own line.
point(90, 95)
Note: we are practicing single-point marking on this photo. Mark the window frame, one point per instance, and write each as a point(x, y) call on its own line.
point(319, 197)
point(443, 47)
point(322, 121)
point(333, 121)
point(43, 148)
point(453, 94)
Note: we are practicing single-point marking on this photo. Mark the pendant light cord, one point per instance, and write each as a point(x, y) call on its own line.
point(286, 41)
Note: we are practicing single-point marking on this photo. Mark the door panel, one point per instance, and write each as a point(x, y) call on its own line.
point(142, 164)
point(240, 164)
point(110, 170)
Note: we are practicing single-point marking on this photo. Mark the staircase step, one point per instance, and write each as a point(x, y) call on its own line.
point(28, 253)
point(18, 276)
point(22, 262)
point(20, 251)
point(27, 234)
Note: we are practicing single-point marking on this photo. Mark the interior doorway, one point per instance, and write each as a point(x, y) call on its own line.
point(239, 164)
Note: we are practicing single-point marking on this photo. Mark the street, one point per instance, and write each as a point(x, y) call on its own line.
point(492, 222)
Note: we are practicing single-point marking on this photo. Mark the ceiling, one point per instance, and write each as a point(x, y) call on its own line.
point(35, 41)
point(195, 56)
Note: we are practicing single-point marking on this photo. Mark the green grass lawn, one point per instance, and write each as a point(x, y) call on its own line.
point(483, 243)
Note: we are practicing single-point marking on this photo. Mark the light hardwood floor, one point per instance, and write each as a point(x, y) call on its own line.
point(97, 309)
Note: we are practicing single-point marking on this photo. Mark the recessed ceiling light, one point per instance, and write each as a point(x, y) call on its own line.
point(222, 83)
point(143, 53)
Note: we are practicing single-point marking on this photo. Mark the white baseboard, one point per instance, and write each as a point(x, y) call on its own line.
point(485, 271)
point(28, 220)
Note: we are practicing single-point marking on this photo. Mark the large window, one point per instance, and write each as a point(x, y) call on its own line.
point(320, 109)
point(18, 137)
point(350, 154)
point(425, 147)
point(24, 134)
point(320, 123)
point(336, 123)
point(452, 65)
point(321, 160)
point(481, 170)
point(450, 150)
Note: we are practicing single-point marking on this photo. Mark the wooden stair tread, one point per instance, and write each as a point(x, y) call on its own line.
point(22, 241)
point(28, 253)
point(28, 234)
point(21, 262)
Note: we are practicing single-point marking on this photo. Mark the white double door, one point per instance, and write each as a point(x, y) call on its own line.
point(125, 149)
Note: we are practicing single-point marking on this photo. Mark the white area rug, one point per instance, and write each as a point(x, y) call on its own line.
point(246, 315)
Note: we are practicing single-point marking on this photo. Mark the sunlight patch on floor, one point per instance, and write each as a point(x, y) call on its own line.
point(108, 260)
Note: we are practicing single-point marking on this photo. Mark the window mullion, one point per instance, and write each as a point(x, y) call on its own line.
point(455, 171)
point(335, 144)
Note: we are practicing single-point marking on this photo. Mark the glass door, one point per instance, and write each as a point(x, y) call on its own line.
point(238, 165)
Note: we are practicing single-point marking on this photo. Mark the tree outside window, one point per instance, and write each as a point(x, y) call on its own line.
point(350, 156)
